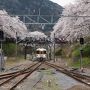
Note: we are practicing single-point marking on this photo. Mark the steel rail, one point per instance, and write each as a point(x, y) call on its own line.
point(2, 76)
point(18, 74)
point(25, 77)
point(70, 74)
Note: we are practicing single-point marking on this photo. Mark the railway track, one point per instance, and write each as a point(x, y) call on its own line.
point(7, 75)
point(23, 74)
point(77, 76)
point(38, 81)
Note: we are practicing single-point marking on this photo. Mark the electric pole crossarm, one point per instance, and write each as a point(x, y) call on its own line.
point(30, 19)
point(39, 19)
point(40, 23)
point(44, 19)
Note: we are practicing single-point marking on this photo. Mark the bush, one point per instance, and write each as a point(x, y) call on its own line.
point(85, 52)
point(9, 49)
point(85, 63)
point(76, 53)
point(59, 52)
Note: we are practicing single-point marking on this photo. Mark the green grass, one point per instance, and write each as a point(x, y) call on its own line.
point(59, 52)
point(11, 61)
point(76, 53)
point(85, 63)
point(86, 51)
point(48, 76)
point(85, 54)
point(48, 72)
point(9, 49)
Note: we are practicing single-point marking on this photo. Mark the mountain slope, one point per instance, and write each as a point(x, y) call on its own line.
point(32, 7)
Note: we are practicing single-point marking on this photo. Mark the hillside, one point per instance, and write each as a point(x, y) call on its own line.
point(31, 7)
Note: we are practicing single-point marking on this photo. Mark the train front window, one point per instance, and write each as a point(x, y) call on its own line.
point(43, 52)
point(38, 52)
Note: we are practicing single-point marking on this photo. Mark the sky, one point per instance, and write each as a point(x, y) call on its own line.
point(63, 2)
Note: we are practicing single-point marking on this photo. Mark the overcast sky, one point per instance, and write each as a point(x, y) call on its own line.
point(63, 2)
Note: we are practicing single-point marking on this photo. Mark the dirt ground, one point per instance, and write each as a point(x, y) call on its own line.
point(79, 87)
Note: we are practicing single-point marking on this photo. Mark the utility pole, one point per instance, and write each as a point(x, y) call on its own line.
point(50, 54)
point(16, 44)
point(49, 44)
point(1, 56)
point(1, 51)
point(54, 47)
point(38, 15)
point(25, 51)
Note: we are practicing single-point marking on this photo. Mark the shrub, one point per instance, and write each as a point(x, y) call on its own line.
point(59, 52)
point(9, 49)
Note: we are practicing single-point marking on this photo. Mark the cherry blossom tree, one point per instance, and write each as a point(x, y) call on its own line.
point(75, 21)
point(36, 35)
point(11, 25)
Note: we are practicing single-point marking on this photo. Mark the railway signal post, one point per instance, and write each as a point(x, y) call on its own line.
point(81, 51)
point(1, 51)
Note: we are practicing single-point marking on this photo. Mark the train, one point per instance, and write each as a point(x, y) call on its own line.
point(41, 54)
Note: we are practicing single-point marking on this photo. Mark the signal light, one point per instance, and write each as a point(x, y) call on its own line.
point(81, 40)
point(1, 35)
